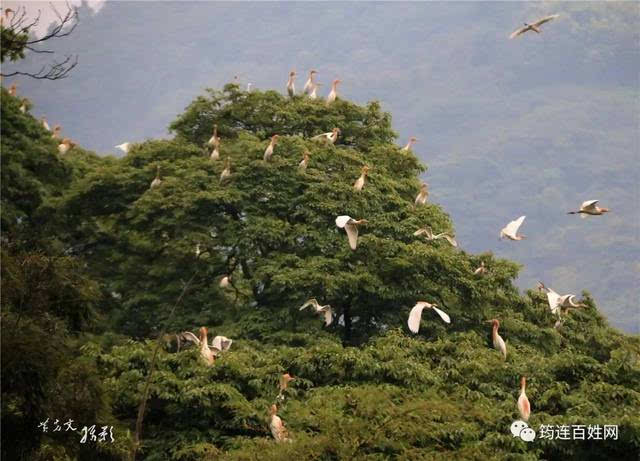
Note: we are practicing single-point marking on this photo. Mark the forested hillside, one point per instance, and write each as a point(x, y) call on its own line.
point(99, 267)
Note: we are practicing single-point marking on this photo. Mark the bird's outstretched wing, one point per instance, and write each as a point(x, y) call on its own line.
point(519, 31)
point(328, 315)
point(589, 204)
point(451, 240)
point(541, 21)
point(310, 302)
point(415, 315)
point(513, 226)
point(189, 337)
point(352, 234)
point(443, 315)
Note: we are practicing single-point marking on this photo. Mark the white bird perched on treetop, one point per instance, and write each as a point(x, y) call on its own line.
point(157, 180)
point(429, 235)
point(276, 425)
point(422, 196)
point(268, 152)
point(310, 85)
point(25, 105)
point(13, 89)
point(481, 270)
point(218, 344)
point(416, 315)
point(65, 145)
point(205, 352)
point(498, 342)
point(215, 153)
point(359, 184)
point(214, 139)
point(333, 94)
point(524, 408)
point(45, 125)
point(320, 310)
point(350, 225)
point(511, 230)
point(590, 208)
point(304, 163)
point(412, 141)
point(313, 94)
point(226, 173)
point(124, 147)
point(330, 137)
point(225, 281)
point(285, 379)
point(533, 26)
point(56, 132)
point(291, 89)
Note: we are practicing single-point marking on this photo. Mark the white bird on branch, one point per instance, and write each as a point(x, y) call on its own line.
point(268, 152)
point(291, 89)
point(429, 235)
point(215, 153)
point(416, 315)
point(330, 137)
point(124, 147)
point(214, 139)
point(310, 85)
point(350, 226)
point(304, 163)
point(412, 141)
point(226, 173)
point(205, 352)
point(481, 270)
point(45, 125)
point(498, 342)
point(511, 230)
point(65, 145)
point(225, 282)
point(56, 132)
point(333, 94)
point(325, 310)
point(535, 26)
point(524, 407)
point(588, 208)
point(276, 425)
point(422, 196)
point(359, 184)
point(157, 180)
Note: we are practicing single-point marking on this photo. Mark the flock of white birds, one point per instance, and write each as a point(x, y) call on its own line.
point(559, 304)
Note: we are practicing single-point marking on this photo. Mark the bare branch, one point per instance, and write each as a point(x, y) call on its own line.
point(57, 71)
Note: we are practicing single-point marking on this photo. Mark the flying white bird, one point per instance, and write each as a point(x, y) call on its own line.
point(268, 152)
point(350, 225)
point(429, 235)
point(305, 161)
point(124, 147)
point(422, 196)
point(310, 85)
point(410, 144)
point(416, 315)
point(523, 402)
point(558, 302)
point(590, 208)
point(533, 26)
point(320, 310)
point(511, 230)
point(330, 137)
point(498, 342)
point(359, 184)
point(291, 89)
point(65, 145)
point(333, 94)
point(157, 180)
point(226, 173)
point(276, 425)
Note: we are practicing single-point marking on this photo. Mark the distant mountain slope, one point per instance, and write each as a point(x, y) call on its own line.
point(528, 126)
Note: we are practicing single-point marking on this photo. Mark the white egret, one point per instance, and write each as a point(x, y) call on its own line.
point(429, 235)
point(535, 26)
point(359, 184)
point(511, 230)
point(325, 310)
point(416, 315)
point(350, 226)
point(524, 408)
point(589, 207)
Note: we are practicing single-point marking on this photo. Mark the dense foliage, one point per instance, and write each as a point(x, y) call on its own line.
point(95, 259)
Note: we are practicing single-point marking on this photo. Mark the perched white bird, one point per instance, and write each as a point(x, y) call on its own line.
point(65, 145)
point(13, 89)
point(124, 147)
point(533, 26)
point(225, 281)
point(215, 153)
point(304, 163)
point(157, 180)
point(218, 344)
point(214, 139)
point(45, 125)
point(285, 379)
point(590, 208)
point(249, 85)
point(429, 235)
point(313, 94)
point(221, 343)
point(333, 94)
point(511, 230)
point(226, 173)
point(24, 106)
point(268, 152)
point(412, 141)
point(524, 408)
point(350, 225)
point(330, 137)
point(498, 342)
point(481, 270)
point(359, 184)
point(416, 315)
point(422, 196)
point(56, 132)
point(205, 352)
point(310, 85)
point(291, 89)
point(276, 425)
point(320, 310)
